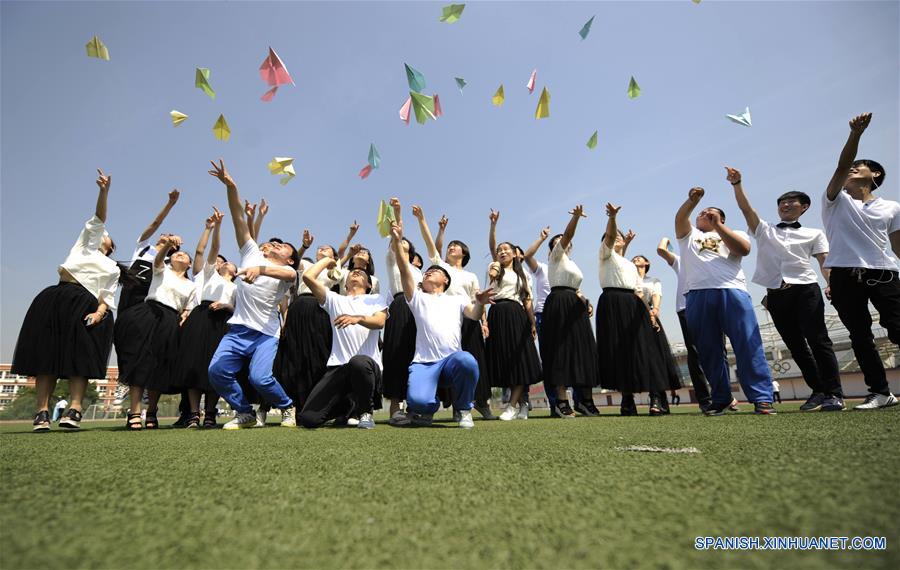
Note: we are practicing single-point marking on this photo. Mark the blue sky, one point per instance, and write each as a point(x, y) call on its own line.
point(804, 68)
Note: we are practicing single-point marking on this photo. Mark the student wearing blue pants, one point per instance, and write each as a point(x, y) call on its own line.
point(718, 302)
point(439, 359)
point(266, 275)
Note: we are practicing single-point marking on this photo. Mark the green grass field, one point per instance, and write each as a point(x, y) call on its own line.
point(542, 493)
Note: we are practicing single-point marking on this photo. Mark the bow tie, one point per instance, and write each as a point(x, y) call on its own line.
point(794, 225)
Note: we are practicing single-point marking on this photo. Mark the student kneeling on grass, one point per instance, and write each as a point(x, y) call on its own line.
point(351, 385)
point(439, 359)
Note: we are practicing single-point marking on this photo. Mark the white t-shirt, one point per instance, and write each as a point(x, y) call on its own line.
point(616, 271)
point(256, 304)
point(61, 405)
point(540, 284)
point(563, 271)
point(355, 339)
point(680, 302)
point(648, 287)
point(508, 288)
point(463, 283)
point(708, 264)
point(858, 233)
point(168, 288)
point(395, 285)
point(213, 287)
point(438, 324)
point(784, 254)
point(95, 272)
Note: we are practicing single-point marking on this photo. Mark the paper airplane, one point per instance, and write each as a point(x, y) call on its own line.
point(404, 110)
point(415, 79)
point(221, 130)
point(633, 90)
point(283, 165)
point(96, 48)
point(530, 84)
point(586, 28)
point(543, 106)
point(498, 97)
point(460, 82)
point(364, 173)
point(177, 117)
point(437, 107)
point(385, 219)
point(374, 157)
point(423, 106)
point(201, 81)
point(267, 96)
point(274, 73)
point(695, 1)
point(742, 119)
point(592, 142)
point(452, 12)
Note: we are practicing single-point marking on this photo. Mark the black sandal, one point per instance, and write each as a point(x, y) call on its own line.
point(132, 425)
point(209, 420)
point(193, 421)
point(150, 421)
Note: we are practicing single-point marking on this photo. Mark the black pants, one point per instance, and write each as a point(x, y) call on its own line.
point(851, 291)
point(798, 313)
point(698, 378)
point(342, 391)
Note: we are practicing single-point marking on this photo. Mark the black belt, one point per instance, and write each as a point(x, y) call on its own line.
point(562, 288)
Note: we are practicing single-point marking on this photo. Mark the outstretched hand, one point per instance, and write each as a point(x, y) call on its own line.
point(733, 175)
point(218, 170)
point(611, 210)
point(173, 195)
point(494, 216)
point(695, 194)
point(308, 239)
point(417, 212)
point(396, 232)
point(354, 227)
point(442, 223)
point(249, 209)
point(103, 180)
point(217, 216)
point(263, 207)
point(578, 211)
point(629, 237)
point(485, 297)
point(859, 123)
point(545, 233)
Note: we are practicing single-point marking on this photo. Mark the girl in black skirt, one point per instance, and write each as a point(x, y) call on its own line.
point(206, 325)
point(146, 336)
point(68, 329)
point(568, 348)
point(305, 341)
point(650, 291)
point(511, 355)
point(625, 335)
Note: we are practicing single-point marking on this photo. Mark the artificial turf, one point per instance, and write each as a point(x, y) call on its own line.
point(542, 493)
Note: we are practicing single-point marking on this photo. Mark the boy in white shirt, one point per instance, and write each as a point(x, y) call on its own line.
point(863, 230)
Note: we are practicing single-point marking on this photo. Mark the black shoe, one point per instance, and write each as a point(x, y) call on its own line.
point(193, 421)
point(554, 413)
point(486, 413)
point(71, 419)
point(564, 410)
point(182, 421)
point(813, 403)
point(41, 421)
point(656, 408)
point(628, 407)
point(587, 409)
point(716, 409)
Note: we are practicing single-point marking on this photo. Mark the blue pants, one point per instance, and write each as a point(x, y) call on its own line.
point(711, 312)
point(237, 346)
point(459, 370)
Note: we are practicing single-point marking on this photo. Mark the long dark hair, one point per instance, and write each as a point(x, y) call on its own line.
point(464, 248)
point(370, 266)
point(521, 280)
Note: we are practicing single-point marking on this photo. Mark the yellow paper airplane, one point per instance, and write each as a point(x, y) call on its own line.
point(177, 117)
point(221, 130)
point(283, 165)
point(543, 107)
point(96, 48)
point(498, 97)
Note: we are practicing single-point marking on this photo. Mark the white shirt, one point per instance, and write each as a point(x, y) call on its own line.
point(61, 405)
point(395, 284)
point(648, 287)
point(355, 339)
point(708, 264)
point(438, 324)
point(95, 272)
point(463, 283)
point(540, 284)
point(563, 271)
point(680, 302)
point(324, 279)
point(256, 304)
point(508, 288)
point(616, 271)
point(213, 287)
point(168, 288)
point(784, 254)
point(858, 233)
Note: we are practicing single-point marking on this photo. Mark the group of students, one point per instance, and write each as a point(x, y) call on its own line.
point(316, 339)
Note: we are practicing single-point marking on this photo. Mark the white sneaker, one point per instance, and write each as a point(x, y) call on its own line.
point(241, 421)
point(120, 394)
point(875, 401)
point(287, 417)
point(510, 413)
point(353, 422)
point(523, 412)
point(261, 414)
point(366, 421)
point(465, 419)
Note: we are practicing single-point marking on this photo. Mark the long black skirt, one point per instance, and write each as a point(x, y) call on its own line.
point(303, 348)
point(473, 343)
point(673, 377)
point(568, 347)
point(512, 358)
point(200, 336)
point(146, 339)
point(399, 348)
point(627, 347)
point(54, 340)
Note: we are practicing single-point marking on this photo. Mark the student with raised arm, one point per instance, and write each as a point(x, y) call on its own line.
point(568, 347)
point(146, 334)
point(717, 302)
point(351, 383)
point(68, 329)
point(783, 266)
point(439, 358)
point(266, 273)
point(357, 257)
point(463, 284)
point(863, 231)
point(205, 327)
point(698, 378)
point(625, 335)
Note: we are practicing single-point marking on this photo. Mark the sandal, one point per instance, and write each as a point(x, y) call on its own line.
point(193, 421)
point(150, 421)
point(209, 420)
point(134, 422)
point(71, 419)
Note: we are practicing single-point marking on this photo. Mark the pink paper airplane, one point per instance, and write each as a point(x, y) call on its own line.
point(530, 84)
point(267, 96)
point(274, 73)
point(365, 171)
point(404, 111)
point(437, 107)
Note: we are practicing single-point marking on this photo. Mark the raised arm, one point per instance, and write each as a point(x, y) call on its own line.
point(858, 125)
point(250, 217)
point(214, 248)
point(257, 224)
point(354, 249)
point(577, 213)
point(475, 309)
point(611, 228)
point(683, 216)
point(398, 211)
point(439, 240)
point(662, 250)
point(310, 278)
point(197, 266)
point(241, 230)
point(402, 261)
point(161, 216)
point(103, 183)
point(494, 217)
point(354, 227)
point(734, 177)
point(433, 250)
point(534, 247)
point(734, 242)
point(165, 244)
point(305, 242)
